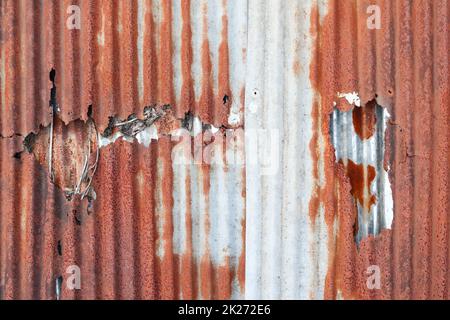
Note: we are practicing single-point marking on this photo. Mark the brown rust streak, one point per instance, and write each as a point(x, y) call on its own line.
point(165, 72)
point(222, 108)
point(187, 100)
point(360, 185)
point(166, 268)
point(187, 268)
point(206, 98)
point(206, 267)
point(150, 55)
point(364, 120)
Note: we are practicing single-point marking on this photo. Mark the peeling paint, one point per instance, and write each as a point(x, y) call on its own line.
point(351, 97)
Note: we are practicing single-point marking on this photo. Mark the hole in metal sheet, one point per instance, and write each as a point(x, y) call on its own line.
point(225, 99)
point(58, 286)
point(59, 248)
point(89, 113)
point(358, 138)
point(52, 75)
point(70, 152)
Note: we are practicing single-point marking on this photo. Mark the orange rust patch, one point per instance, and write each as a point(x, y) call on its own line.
point(187, 91)
point(167, 124)
point(206, 97)
point(165, 73)
point(71, 144)
point(333, 70)
point(364, 120)
point(224, 72)
point(360, 186)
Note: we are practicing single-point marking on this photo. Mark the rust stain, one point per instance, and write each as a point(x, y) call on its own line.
point(166, 268)
point(150, 55)
point(364, 120)
point(206, 98)
point(165, 71)
point(187, 267)
point(361, 186)
point(73, 145)
point(187, 91)
point(296, 67)
point(116, 262)
point(40, 215)
point(224, 97)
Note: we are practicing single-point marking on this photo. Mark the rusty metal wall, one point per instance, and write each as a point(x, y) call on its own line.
point(306, 217)
point(125, 56)
point(403, 65)
point(311, 64)
point(157, 229)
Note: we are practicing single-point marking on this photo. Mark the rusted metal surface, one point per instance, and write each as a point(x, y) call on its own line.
point(126, 55)
point(156, 230)
point(142, 173)
point(150, 228)
point(299, 74)
point(404, 65)
point(358, 137)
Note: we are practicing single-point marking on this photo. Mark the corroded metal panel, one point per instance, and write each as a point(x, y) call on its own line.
point(80, 191)
point(125, 155)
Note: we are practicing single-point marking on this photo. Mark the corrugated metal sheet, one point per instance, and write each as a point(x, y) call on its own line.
point(286, 250)
point(288, 224)
point(404, 65)
point(125, 56)
point(156, 229)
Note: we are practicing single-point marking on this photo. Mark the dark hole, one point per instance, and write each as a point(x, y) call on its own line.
point(89, 113)
point(76, 217)
point(29, 141)
point(187, 122)
point(52, 75)
point(225, 99)
point(17, 155)
point(59, 248)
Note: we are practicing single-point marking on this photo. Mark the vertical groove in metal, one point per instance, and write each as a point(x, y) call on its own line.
point(286, 251)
